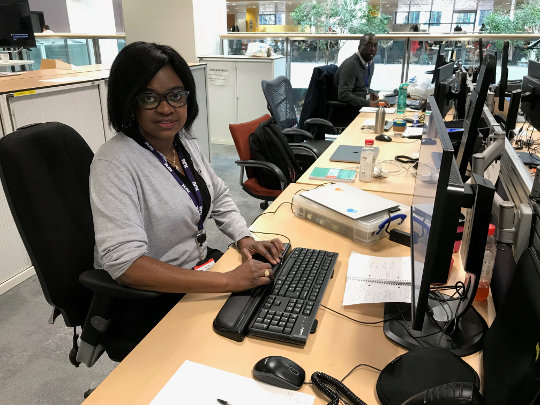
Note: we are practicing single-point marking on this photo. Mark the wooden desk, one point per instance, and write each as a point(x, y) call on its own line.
point(338, 345)
point(402, 182)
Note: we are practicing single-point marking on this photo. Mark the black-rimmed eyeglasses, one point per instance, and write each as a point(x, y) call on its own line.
point(175, 98)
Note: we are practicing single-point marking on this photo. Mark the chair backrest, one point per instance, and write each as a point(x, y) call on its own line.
point(279, 96)
point(511, 346)
point(320, 90)
point(240, 134)
point(44, 170)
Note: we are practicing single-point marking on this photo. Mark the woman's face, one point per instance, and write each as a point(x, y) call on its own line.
point(159, 125)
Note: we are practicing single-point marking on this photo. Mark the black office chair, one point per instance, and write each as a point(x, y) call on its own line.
point(511, 365)
point(279, 96)
point(44, 169)
point(321, 101)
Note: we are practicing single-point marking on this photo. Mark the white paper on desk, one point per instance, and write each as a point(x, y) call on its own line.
point(372, 279)
point(391, 110)
point(195, 383)
point(412, 131)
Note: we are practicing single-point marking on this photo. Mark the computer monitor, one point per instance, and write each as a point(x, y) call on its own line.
point(434, 319)
point(440, 61)
point(445, 84)
point(504, 76)
point(16, 24)
point(38, 21)
point(530, 96)
point(469, 140)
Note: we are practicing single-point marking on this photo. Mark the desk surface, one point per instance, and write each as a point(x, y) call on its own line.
point(37, 79)
point(338, 345)
point(14, 62)
point(400, 181)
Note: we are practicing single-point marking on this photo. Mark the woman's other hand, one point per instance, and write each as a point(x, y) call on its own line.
point(251, 273)
point(270, 250)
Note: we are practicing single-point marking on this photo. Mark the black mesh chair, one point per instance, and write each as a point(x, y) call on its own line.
point(44, 169)
point(279, 96)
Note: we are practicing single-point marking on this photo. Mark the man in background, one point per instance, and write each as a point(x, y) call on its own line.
point(353, 78)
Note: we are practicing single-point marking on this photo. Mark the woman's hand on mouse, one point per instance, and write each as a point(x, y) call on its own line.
point(251, 273)
point(270, 250)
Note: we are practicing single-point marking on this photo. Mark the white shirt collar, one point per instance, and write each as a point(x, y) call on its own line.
point(362, 61)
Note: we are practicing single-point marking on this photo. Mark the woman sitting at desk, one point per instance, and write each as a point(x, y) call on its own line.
point(152, 189)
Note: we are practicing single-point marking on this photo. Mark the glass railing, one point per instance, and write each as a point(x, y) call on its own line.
point(75, 49)
point(400, 57)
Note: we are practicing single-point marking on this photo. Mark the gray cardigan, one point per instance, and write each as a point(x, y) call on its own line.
point(139, 209)
point(350, 80)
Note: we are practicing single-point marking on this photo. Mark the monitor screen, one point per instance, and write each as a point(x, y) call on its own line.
point(433, 318)
point(445, 84)
point(437, 200)
point(470, 138)
point(16, 24)
point(530, 96)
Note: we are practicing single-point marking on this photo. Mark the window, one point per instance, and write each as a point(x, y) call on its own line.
point(483, 15)
point(267, 19)
point(414, 17)
point(435, 18)
point(401, 17)
point(464, 17)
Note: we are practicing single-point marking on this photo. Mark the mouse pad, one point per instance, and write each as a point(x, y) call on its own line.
point(349, 153)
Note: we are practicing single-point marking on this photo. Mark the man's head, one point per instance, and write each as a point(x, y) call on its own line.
point(368, 47)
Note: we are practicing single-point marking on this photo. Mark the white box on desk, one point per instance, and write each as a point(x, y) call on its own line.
point(363, 230)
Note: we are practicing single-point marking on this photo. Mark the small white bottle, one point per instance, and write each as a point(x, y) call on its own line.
point(366, 161)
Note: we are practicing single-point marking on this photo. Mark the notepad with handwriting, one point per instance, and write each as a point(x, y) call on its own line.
point(372, 279)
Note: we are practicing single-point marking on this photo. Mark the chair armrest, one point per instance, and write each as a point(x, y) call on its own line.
point(304, 149)
point(335, 103)
point(291, 132)
point(318, 121)
point(104, 290)
point(100, 282)
point(261, 164)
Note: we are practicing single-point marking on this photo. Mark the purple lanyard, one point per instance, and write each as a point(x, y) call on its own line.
point(197, 198)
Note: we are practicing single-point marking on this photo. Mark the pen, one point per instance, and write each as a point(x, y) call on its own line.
point(223, 402)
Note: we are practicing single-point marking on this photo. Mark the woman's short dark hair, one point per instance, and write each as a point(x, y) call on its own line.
point(134, 67)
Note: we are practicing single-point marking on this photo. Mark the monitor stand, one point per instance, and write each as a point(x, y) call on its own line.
point(463, 336)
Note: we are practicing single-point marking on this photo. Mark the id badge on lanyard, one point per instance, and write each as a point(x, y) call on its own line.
point(200, 236)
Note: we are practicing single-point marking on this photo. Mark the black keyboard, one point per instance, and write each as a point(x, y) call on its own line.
point(391, 100)
point(284, 310)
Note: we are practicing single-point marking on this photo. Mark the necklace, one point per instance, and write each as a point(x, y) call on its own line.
point(173, 161)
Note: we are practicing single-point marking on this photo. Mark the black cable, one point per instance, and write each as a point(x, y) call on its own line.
point(274, 233)
point(334, 389)
point(357, 320)
point(360, 365)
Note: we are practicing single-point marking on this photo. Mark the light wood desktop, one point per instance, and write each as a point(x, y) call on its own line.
point(399, 181)
point(37, 79)
point(337, 346)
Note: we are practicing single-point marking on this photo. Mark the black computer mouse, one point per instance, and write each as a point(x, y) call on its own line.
point(384, 138)
point(279, 371)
